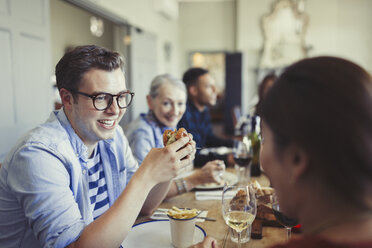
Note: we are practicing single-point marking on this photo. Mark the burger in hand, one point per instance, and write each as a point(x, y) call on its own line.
point(170, 136)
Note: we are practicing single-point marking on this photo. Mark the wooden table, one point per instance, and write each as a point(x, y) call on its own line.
point(218, 229)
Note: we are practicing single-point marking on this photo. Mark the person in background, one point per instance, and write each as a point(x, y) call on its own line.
point(254, 136)
point(202, 94)
point(266, 83)
point(316, 150)
point(167, 104)
point(73, 181)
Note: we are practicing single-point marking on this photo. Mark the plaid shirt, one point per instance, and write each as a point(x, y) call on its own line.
point(199, 125)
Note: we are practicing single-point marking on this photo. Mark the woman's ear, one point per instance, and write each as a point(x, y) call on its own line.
point(66, 98)
point(149, 102)
point(298, 162)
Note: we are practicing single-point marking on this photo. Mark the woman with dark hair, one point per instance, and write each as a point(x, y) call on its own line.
point(263, 88)
point(316, 150)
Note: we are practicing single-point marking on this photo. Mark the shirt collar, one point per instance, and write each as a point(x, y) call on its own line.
point(153, 122)
point(193, 108)
point(77, 144)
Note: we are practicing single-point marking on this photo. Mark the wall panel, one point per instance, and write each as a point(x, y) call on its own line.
point(6, 79)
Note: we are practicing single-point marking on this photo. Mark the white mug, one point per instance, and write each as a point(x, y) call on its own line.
point(182, 232)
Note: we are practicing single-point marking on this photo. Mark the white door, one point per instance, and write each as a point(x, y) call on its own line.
point(142, 69)
point(26, 91)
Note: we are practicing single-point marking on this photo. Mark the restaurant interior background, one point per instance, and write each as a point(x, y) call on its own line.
point(167, 36)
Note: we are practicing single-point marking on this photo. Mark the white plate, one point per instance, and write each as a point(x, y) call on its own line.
point(228, 177)
point(155, 233)
point(222, 150)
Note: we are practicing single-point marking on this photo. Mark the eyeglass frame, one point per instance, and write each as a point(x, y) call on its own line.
point(93, 97)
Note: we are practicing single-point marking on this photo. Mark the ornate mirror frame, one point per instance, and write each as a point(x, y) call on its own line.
point(284, 34)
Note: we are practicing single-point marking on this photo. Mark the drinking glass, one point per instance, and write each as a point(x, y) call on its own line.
point(239, 207)
point(286, 221)
point(243, 154)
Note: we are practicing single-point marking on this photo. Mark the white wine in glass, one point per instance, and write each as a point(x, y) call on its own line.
point(239, 220)
point(239, 207)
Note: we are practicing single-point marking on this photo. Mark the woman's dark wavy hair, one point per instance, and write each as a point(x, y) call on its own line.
point(324, 106)
point(75, 63)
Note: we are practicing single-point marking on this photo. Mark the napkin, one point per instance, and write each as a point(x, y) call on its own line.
point(211, 195)
point(161, 214)
point(208, 195)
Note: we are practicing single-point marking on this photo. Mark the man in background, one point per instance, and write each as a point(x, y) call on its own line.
point(202, 94)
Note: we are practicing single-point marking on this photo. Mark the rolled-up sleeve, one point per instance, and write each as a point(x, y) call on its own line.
point(41, 184)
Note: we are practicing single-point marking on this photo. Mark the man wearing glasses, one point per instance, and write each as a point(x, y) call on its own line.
point(73, 181)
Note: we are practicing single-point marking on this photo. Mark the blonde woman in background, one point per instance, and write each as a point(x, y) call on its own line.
point(167, 104)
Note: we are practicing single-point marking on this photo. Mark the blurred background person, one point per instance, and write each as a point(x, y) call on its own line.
point(202, 94)
point(321, 170)
point(254, 135)
point(266, 83)
point(167, 103)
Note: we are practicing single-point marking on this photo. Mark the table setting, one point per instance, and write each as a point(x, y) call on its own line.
point(210, 201)
point(214, 218)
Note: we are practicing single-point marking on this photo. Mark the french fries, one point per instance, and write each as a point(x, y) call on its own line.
point(177, 213)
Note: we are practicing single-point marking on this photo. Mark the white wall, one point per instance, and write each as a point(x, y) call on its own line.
point(141, 13)
point(250, 42)
point(336, 27)
point(206, 26)
point(25, 98)
point(341, 28)
point(69, 26)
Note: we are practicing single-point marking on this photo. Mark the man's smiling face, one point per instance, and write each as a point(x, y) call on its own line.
point(92, 125)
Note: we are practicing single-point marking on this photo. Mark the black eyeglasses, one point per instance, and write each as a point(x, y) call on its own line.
point(103, 101)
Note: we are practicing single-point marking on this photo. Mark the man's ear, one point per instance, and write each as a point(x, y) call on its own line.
point(66, 98)
point(193, 90)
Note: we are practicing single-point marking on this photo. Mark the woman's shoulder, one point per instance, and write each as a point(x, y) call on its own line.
point(136, 125)
point(140, 129)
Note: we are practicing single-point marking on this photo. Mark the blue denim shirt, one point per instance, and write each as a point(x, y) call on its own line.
point(145, 133)
point(199, 124)
point(44, 184)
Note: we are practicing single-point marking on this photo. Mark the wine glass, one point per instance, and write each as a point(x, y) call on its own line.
point(243, 154)
point(239, 207)
point(287, 222)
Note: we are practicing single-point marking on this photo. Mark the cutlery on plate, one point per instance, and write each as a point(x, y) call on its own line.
point(199, 217)
point(165, 210)
point(209, 195)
